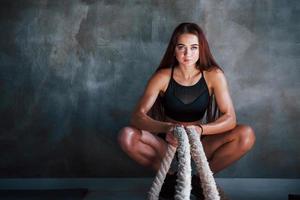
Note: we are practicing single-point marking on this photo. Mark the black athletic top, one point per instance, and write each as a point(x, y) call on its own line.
point(186, 103)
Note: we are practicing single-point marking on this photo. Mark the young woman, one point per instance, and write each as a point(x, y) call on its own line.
point(184, 89)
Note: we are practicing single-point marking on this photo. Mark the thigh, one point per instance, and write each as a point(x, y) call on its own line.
point(154, 141)
point(212, 142)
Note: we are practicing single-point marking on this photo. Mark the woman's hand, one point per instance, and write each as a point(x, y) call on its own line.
point(170, 137)
point(198, 128)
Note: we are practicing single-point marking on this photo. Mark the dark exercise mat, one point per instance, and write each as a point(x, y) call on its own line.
point(294, 196)
point(53, 194)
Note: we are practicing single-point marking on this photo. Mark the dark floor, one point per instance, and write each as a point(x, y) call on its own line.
point(136, 188)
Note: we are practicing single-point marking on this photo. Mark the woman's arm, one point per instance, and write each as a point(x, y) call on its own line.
point(227, 120)
point(139, 118)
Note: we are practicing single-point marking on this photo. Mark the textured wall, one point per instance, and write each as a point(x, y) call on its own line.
point(72, 71)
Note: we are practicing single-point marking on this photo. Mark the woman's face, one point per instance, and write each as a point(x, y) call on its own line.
point(187, 49)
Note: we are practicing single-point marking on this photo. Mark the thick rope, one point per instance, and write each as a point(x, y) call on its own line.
point(183, 186)
point(207, 180)
point(161, 174)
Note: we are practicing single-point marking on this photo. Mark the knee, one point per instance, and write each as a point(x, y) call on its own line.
point(246, 138)
point(126, 137)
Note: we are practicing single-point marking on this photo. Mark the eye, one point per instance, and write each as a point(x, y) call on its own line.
point(180, 48)
point(194, 48)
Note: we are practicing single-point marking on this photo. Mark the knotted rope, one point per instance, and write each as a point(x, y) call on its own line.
point(187, 141)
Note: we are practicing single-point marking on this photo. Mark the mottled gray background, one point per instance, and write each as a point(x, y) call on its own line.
point(72, 71)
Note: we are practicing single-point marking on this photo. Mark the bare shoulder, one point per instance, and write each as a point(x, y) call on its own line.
point(214, 71)
point(214, 77)
point(165, 72)
point(162, 75)
point(161, 79)
point(214, 74)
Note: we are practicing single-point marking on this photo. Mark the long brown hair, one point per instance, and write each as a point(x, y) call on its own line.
point(206, 62)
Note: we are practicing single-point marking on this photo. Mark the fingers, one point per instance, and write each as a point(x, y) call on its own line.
point(174, 126)
point(197, 128)
point(191, 127)
point(170, 138)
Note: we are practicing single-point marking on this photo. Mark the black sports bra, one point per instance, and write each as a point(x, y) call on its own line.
point(186, 103)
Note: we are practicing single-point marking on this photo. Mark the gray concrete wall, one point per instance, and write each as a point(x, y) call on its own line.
point(72, 71)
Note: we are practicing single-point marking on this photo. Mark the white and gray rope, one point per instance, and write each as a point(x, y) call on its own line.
point(161, 174)
point(183, 187)
point(188, 144)
point(207, 180)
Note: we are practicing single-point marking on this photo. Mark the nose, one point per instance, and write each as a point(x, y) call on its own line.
point(187, 52)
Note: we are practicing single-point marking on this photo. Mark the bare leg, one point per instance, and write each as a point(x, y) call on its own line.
point(221, 149)
point(142, 146)
point(226, 148)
